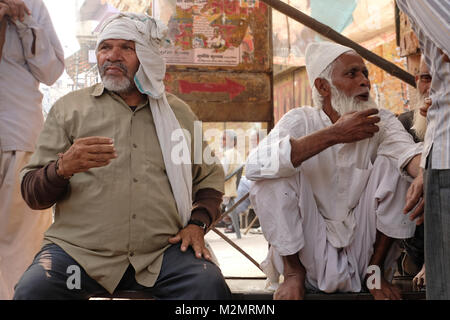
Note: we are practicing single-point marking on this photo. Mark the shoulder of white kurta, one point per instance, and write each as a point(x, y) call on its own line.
point(295, 121)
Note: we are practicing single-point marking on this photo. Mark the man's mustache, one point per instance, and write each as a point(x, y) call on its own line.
point(108, 64)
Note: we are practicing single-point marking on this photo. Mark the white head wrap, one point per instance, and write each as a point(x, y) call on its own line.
point(319, 55)
point(149, 35)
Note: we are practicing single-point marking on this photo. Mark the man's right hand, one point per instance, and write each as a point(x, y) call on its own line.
point(17, 9)
point(355, 126)
point(87, 153)
point(4, 11)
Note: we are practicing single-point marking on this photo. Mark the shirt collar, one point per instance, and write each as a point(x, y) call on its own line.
point(98, 90)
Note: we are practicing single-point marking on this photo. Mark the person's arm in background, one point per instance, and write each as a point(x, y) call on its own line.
point(42, 49)
point(4, 11)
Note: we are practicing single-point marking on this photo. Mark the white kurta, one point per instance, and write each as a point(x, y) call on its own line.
point(339, 174)
point(291, 222)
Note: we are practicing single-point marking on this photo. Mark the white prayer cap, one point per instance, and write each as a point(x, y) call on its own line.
point(149, 35)
point(319, 55)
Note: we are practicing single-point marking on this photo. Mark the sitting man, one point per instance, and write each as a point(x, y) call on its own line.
point(415, 122)
point(329, 191)
point(124, 216)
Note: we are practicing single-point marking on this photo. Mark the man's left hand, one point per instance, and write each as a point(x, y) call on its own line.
point(414, 199)
point(194, 236)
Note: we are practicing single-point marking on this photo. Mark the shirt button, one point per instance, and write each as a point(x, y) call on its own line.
point(134, 145)
point(131, 253)
point(135, 180)
point(133, 216)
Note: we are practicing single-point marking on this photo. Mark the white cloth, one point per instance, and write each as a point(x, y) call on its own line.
point(430, 20)
point(319, 55)
point(291, 221)
point(149, 35)
point(21, 229)
point(21, 71)
point(339, 174)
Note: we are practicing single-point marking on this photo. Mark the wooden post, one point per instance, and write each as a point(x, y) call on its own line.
point(331, 34)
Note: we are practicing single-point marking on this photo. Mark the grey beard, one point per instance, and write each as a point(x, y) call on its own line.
point(419, 121)
point(116, 84)
point(344, 104)
point(121, 85)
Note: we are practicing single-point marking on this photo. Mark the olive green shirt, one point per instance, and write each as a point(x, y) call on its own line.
point(124, 212)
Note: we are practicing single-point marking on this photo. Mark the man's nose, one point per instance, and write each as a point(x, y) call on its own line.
point(115, 54)
point(364, 82)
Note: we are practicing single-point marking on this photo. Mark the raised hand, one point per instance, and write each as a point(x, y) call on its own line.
point(87, 153)
point(355, 126)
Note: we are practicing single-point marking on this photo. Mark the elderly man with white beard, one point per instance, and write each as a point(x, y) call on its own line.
point(331, 184)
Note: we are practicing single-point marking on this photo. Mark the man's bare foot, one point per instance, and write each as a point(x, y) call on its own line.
point(419, 281)
point(388, 291)
point(293, 288)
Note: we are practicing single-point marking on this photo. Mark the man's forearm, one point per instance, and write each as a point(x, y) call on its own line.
point(2, 36)
point(42, 187)
point(308, 146)
point(413, 167)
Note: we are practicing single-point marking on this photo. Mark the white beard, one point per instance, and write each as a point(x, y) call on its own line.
point(117, 85)
point(113, 83)
point(419, 121)
point(344, 104)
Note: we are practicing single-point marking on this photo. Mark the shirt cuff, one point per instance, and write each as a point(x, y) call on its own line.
point(52, 176)
point(206, 207)
point(406, 158)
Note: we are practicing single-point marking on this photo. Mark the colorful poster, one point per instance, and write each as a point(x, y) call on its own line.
point(208, 32)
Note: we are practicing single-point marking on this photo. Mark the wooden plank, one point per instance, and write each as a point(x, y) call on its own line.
point(224, 96)
point(232, 112)
point(222, 87)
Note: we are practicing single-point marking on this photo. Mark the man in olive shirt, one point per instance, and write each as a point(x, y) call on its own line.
point(129, 215)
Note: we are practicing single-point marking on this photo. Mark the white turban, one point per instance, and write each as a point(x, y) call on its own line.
point(149, 35)
point(319, 55)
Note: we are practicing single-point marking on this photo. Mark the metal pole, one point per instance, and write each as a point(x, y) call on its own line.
point(331, 34)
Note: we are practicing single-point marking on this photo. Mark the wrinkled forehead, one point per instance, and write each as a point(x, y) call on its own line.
point(347, 61)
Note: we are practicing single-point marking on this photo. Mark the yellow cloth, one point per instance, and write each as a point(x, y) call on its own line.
point(125, 212)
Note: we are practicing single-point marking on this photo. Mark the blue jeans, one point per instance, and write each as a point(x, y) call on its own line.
point(437, 232)
point(182, 276)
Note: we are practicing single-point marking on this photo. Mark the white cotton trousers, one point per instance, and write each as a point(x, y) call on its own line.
point(291, 223)
point(21, 229)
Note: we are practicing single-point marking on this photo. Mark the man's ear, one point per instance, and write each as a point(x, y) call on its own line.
point(323, 86)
